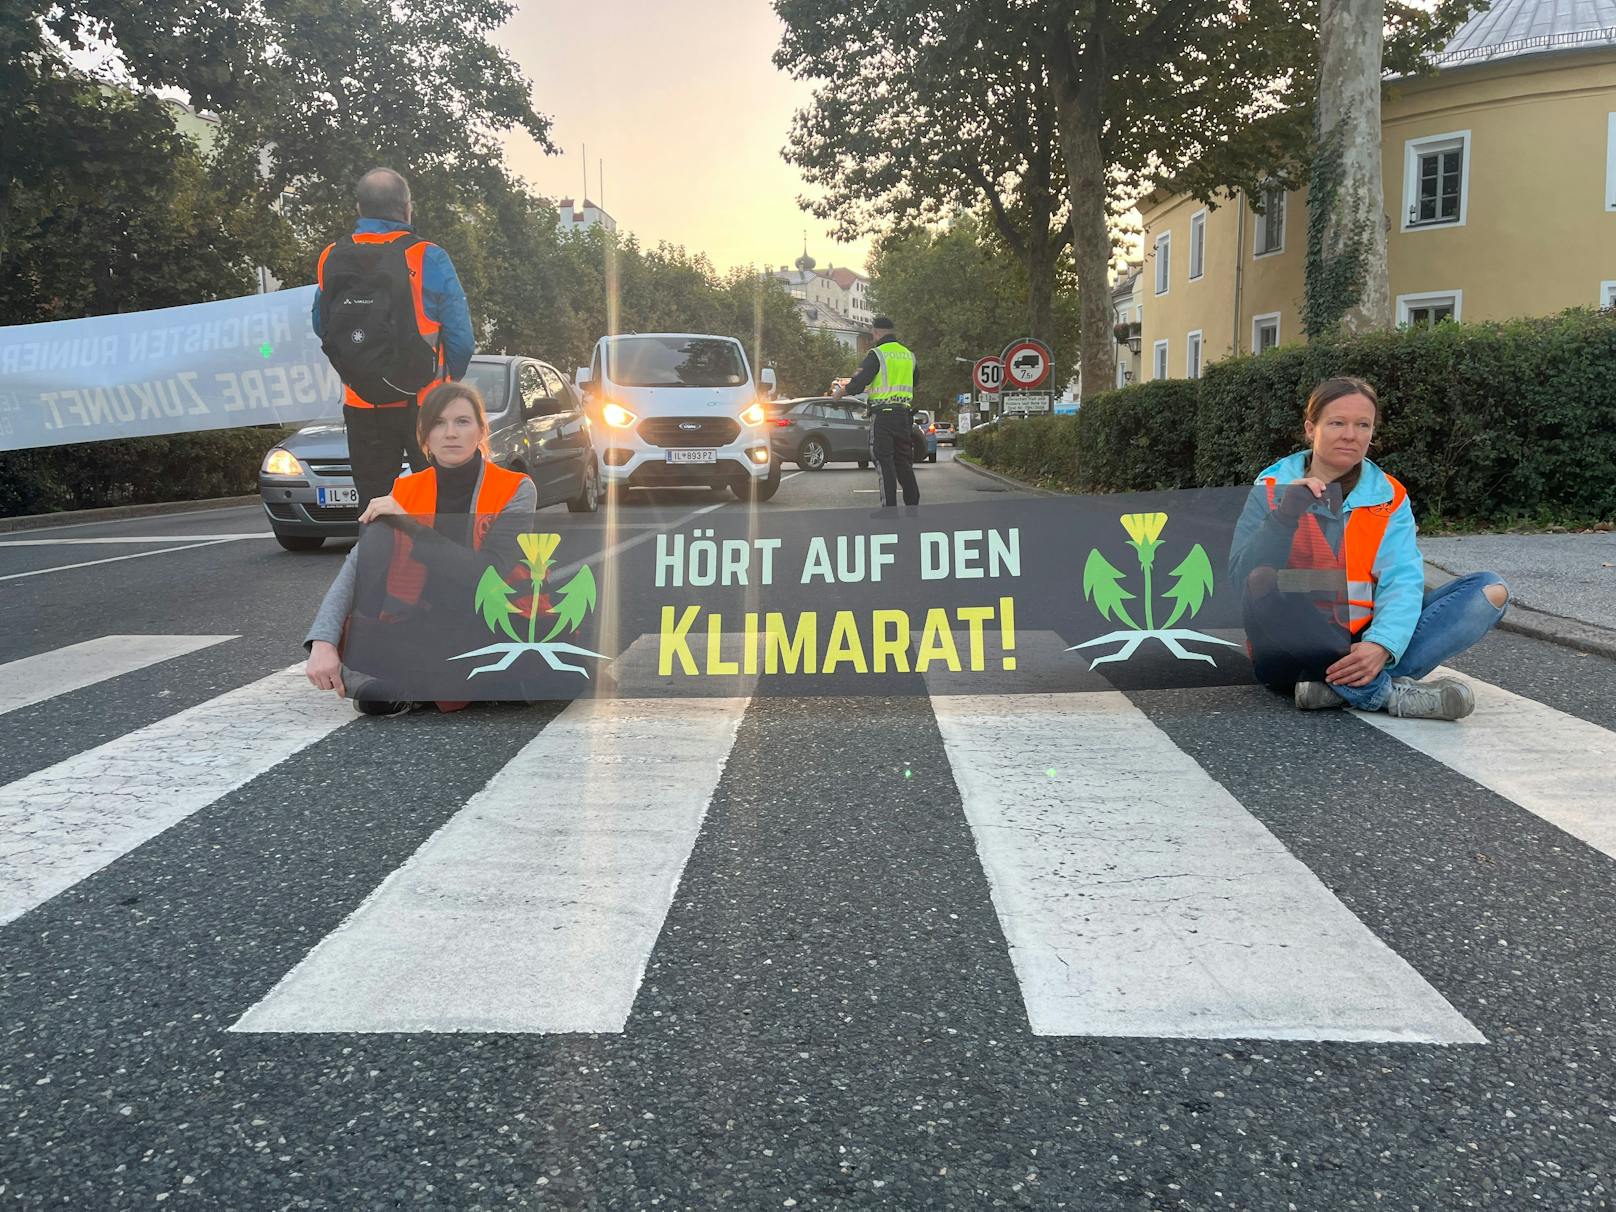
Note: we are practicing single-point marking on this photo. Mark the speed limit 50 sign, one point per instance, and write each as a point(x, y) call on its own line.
point(988, 375)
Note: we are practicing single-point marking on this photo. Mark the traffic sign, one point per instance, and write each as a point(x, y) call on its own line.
point(1027, 364)
point(988, 375)
point(987, 400)
point(1023, 402)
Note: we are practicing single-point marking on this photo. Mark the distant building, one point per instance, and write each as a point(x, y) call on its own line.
point(1128, 315)
point(834, 300)
point(576, 217)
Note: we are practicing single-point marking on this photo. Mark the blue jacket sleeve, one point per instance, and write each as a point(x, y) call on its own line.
point(445, 302)
point(1399, 585)
point(314, 314)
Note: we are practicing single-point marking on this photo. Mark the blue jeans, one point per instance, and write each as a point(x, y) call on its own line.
point(1453, 618)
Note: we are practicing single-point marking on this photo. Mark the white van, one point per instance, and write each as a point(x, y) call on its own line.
point(680, 409)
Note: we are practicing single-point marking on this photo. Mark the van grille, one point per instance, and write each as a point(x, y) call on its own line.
point(708, 431)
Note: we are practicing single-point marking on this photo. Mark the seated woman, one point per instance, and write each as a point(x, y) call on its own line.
point(461, 485)
point(1393, 632)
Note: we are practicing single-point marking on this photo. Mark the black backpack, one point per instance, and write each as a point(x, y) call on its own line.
point(367, 321)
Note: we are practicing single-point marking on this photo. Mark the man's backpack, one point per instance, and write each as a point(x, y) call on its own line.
point(368, 325)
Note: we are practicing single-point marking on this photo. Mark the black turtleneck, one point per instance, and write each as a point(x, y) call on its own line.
point(457, 486)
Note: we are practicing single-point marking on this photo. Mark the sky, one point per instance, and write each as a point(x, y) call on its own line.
point(681, 100)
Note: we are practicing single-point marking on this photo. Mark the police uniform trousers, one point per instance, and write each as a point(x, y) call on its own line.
point(894, 450)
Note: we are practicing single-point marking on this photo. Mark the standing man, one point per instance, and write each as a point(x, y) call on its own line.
point(392, 317)
point(889, 373)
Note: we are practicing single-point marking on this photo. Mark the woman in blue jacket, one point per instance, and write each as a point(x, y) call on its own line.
point(1393, 630)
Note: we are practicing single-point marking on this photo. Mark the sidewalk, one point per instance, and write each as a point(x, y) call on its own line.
point(1563, 585)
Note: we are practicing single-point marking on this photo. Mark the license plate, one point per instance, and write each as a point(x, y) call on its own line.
point(692, 456)
point(338, 496)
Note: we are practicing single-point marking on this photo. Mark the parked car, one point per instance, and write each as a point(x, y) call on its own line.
point(680, 409)
point(536, 425)
point(926, 427)
point(945, 433)
point(817, 430)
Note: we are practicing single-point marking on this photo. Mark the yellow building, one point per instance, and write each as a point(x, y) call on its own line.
point(1499, 174)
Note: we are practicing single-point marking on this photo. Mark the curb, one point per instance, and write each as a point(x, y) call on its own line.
point(1539, 624)
point(114, 513)
point(1007, 480)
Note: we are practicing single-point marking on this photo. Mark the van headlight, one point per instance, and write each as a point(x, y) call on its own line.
point(617, 416)
point(282, 462)
point(755, 415)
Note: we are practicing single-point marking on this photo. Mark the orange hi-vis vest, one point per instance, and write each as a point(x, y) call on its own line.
point(417, 495)
point(414, 258)
point(1366, 527)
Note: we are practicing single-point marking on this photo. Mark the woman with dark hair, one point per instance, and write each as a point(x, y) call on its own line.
point(460, 493)
point(1393, 631)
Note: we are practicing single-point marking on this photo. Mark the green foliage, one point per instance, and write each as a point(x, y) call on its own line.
point(1192, 581)
point(577, 600)
point(133, 471)
point(1140, 437)
point(1334, 276)
point(1042, 450)
point(493, 600)
point(1102, 585)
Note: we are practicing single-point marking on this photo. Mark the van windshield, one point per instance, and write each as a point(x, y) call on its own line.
point(675, 362)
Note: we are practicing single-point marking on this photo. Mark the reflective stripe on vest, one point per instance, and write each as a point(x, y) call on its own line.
point(894, 382)
point(417, 495)
point(1366, 528)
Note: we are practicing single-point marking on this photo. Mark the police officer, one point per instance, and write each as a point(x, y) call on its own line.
point(889, 374)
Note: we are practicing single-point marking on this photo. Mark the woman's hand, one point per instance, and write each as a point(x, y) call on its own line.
point(1360, 666)
point(382, 507)
point(1314, 485)
point(324, 669)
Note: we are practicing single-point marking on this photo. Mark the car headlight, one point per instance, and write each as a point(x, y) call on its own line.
point(617, 416)
point(755, 415)
point(282, 462)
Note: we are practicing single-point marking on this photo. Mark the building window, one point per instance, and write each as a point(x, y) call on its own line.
point(1197, 244)
point(1610, 162)
point(1192, 355)
point(1264, 332)
point(1436, 181)
point(1425, 311)
point(1270, 234)
point(1607, 294)
point(1159, 366)
point(1164, 261)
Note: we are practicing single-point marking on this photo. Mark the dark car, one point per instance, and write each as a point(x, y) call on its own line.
point(536, 425)
point(817, 430)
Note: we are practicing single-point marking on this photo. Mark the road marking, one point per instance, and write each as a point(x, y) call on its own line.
point(68, 821)
point(133, 539)
point(37, 678)
point(535, 908)
point(39, 572)
point(1552, 764)
point(1140, 899)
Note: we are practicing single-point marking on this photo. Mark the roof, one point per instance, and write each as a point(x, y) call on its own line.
point(845, 277)
point(1513, 28)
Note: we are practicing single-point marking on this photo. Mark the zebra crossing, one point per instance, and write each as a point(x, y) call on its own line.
point(1137, 895)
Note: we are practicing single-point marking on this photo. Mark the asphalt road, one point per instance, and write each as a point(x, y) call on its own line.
point(1170, 949)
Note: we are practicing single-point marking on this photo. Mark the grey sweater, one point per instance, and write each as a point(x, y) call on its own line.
point(339, 599)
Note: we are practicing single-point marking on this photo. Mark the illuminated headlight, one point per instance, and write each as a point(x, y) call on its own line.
point(617, 416)
point(759, 454)
point(281, 462)
point(755, 415)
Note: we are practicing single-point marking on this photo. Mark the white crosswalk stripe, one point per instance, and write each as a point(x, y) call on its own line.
point(1139, 898)
point(68, 821)
point(1552, 764)
point(37, 678)
point(536, 907)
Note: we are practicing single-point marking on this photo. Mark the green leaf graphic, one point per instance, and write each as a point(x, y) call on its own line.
point(577, 600)
point(1102, 584)
point(1192, 581)
point(493, 599)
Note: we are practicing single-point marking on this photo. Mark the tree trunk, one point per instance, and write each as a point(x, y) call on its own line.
point(1040, 265)
point(1091, 232)
point(1347, 279)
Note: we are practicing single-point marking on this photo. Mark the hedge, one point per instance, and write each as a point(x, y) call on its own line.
point(1484, 422)
point(133, 471)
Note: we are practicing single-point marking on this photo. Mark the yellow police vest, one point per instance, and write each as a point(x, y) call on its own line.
point(894, 383)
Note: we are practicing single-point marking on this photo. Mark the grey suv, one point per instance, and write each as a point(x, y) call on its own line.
point(817, 430)
point(536, 425)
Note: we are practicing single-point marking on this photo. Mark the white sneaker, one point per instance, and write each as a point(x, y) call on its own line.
point(1314, 696)
point(1443, 699)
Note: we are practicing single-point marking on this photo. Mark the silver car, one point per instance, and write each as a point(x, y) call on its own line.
point(536, 425)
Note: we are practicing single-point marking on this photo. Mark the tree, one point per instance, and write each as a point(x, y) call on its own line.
point(954, 293)
point(916, 122)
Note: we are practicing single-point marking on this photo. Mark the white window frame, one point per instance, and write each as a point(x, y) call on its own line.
point(1610, 163)
point(1406, 303)
point(1193, 355)
point(1260, 221)
point(1607, 293)
point(1163, 268)
point(1257, 323)
point(1197, 245)
point(1413, 149)
point(1159, 355)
